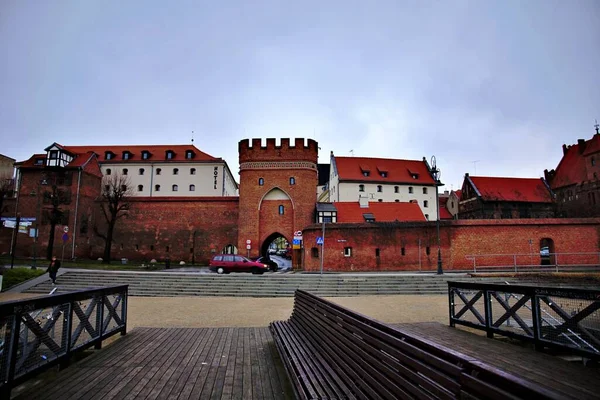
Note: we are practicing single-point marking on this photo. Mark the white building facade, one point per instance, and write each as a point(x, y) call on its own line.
point(383, 180)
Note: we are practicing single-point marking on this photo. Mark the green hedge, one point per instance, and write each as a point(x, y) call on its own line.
point(15, 276)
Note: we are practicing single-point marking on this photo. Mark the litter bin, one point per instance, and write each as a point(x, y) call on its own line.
point(123, 261)
point(167, 263)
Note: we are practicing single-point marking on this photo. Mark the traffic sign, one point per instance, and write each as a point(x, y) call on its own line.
point(66, 229)
point(320, 240)
point(65, 237)
point(298, 233)
point(248, 247)
point(248, 241)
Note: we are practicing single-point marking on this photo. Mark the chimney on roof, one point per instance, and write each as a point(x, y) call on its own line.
point(597, 128)
point(565, 149)
point(363, 201)
point(446, 192)
point(581, 145)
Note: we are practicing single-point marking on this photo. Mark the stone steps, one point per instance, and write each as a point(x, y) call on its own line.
point(247, 285)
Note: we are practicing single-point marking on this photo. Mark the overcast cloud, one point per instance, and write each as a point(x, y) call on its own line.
point(504, 83)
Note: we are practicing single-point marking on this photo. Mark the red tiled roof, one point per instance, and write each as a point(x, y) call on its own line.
point(571, 169)
point(530, 190)
point(351, 169)
point(30, 162)
point(444, 213)
point(351, 212)
point(158, 153)
point(458, 193)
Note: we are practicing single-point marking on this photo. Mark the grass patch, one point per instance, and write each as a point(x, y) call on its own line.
point(15, 276)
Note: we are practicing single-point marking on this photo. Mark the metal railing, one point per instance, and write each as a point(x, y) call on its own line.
point(564, 318)
point(38, 333)
point(532, 262)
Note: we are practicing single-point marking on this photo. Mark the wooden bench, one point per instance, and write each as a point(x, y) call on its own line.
point(331, 352)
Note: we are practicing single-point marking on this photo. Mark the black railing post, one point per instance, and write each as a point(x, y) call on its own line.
point(67, 328)
point(99, 321)
point(488, 312)
point(451, 303)
point(536, 318)
point(124, 310)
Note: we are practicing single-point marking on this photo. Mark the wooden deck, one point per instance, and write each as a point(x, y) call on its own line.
point(243, 363)
point(176, 363)
point(573, 380)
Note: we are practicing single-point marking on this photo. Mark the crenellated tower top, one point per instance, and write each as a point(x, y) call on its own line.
point(300, 150)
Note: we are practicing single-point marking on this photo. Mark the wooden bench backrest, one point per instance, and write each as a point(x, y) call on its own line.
point(382, 361)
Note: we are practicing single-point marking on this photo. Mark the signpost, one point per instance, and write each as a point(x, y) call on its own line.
point(321, 242)
point(65, 238)
point(248, 246)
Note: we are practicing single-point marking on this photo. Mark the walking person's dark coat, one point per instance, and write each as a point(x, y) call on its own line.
point(53, 269)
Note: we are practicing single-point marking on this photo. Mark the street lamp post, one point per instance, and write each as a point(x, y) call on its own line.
point(436, 173)
point(37, 222)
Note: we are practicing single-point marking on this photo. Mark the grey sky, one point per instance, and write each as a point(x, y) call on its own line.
point(506, 82)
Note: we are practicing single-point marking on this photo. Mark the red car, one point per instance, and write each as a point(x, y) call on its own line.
point(226, 263)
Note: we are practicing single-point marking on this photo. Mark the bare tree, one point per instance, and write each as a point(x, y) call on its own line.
point(116, 191)
point(54, 215)
point(6, 189)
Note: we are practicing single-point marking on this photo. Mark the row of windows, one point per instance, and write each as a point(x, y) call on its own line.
point(141, 171)
point(174, 188)
point(261, 181)
point(127, 155)
point(361, 188)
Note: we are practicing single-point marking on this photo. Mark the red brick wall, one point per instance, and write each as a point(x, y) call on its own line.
point(275, 164)
point(498, 240)
point(30, 194)
point(155, 223)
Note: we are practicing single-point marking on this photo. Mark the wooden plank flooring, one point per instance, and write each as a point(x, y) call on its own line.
point(546, 370)
point(176, 363)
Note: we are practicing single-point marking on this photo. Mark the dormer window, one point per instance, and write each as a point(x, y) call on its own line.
point(170, 154)
point(189, 154)
point(145, 155)
point(366, 171)
point(383, 172)
point(127, 155)
point(39, 161)
point(413, 174)
point(109, 155)
point(369, 217)
point(56, 157)
point(53, 154)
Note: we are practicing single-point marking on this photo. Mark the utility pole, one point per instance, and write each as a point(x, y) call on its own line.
point(323, 247)
point(14, 242)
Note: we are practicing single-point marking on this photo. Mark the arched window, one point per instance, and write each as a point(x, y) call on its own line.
point(175, 171)
point(424, 190)
point(261, 181)
point(292, 181)
point(396, 189)
point(281, 210)
point(379, 188)
point(175, 188)
point(425, 203)
point(410, 189)
point(108, 171)
point(125, 171)
point(192, 188)
point(158, 171)
point(140, 188)
point(157, 188)
point(361, 188)
point(141, 171)
point(192, 171)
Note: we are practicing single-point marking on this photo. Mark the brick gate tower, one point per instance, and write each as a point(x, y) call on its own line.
point(277, 192)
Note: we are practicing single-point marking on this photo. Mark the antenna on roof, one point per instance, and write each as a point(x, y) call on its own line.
point(475, 166)
point(192, 137)
point(597, 128)
point(352, 152)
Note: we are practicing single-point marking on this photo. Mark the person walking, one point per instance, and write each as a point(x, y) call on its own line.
point(53, 269)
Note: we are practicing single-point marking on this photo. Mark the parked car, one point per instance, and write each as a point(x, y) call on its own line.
point(226, 263)
point(273, 266)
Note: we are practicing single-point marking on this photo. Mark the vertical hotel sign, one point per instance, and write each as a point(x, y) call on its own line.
point(216, 174)
point(297, 243)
